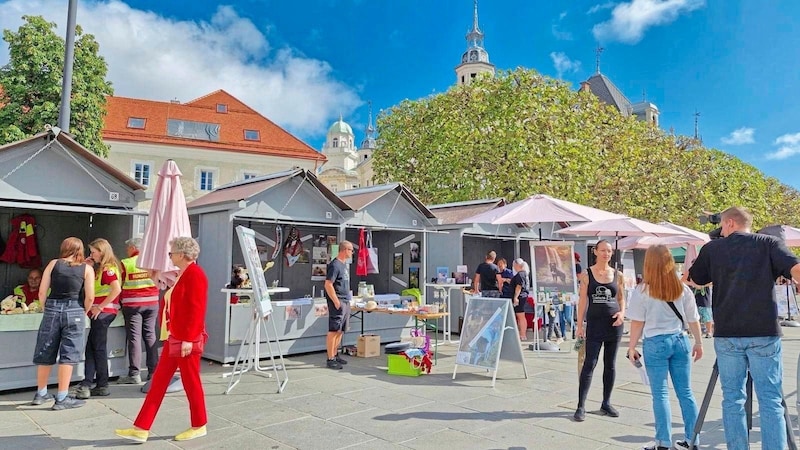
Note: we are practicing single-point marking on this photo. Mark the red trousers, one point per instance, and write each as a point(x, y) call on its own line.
point(190, 375)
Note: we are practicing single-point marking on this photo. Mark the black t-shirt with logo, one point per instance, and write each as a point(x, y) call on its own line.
point(603, 304)
point(340, 276)
point(488, 273)
point(743, 268)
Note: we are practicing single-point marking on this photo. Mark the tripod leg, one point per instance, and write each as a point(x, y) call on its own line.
point(790, 438)
point(701, 415)
point(748, 403)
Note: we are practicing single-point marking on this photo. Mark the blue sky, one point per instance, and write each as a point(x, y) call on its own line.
point(303, 63)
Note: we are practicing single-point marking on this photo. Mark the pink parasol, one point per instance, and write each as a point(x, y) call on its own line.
point(689, 237)
point(540, 208)
point(168, 219)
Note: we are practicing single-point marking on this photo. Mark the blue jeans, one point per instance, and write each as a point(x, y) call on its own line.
point(565, 318)
point(763, 357)
point(670, 354)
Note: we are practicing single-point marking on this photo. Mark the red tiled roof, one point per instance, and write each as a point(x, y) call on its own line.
point(275, 141)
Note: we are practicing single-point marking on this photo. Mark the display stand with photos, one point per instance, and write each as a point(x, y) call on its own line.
point(248, 357)
point(482, 344)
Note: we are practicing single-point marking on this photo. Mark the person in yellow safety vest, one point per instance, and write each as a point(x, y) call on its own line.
point(29, 292)
point(139, 300)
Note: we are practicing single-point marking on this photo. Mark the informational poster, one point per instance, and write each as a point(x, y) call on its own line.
point(321, 253)
point(482, 332)
point(786, 299)
point(553, 267)
point(252, 260)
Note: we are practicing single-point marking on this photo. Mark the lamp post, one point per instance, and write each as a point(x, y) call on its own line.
point(69, 59)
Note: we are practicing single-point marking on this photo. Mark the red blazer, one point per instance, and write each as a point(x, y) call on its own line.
point(187, 309)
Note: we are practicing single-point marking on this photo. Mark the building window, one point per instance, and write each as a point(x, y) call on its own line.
point(222, 108)
point(193, 130)
point(366, 157)
point(140, 226)
point(334, 188)
point(206, 180)
point(473, 75)
point(136, 122)
point(355, 186)
point(462, 79)
point(252, 135)
point(141, 172)
point(335, 142)
point(249, 175)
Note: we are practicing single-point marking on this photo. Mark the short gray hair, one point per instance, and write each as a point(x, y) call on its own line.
point(134, 242)
point(186, 245)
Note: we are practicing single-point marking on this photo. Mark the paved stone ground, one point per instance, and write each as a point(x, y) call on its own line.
point(361, 407)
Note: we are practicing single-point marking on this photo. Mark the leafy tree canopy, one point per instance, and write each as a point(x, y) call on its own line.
point(30, 84)
point(520, 133)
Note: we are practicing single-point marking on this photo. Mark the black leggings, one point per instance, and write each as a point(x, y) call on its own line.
point(609, 363)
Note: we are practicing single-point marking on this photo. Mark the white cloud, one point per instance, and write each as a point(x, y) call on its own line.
point(600, 7)
point(789, 146)
point(556, 29)
point(740, 136)
point(563, 64)
point(159, 58)
point(630, 20)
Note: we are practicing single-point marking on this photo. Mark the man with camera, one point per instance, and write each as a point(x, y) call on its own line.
point(743, 267)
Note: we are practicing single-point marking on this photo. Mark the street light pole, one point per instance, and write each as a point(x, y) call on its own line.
point(69, 57)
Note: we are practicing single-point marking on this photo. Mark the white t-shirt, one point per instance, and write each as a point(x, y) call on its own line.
point(656, 314)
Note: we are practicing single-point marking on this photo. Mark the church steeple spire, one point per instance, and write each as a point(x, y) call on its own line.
point(475, 35)
point(370, 141)
point(475, 60)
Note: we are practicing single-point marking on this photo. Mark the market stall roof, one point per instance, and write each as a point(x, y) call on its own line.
point(381, 206)
point(452, 213)
point(294, 194)
point(51, 168)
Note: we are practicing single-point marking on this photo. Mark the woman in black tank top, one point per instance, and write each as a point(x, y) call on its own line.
point(602, 305)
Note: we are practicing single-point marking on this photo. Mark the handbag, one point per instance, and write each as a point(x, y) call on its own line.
point(372, 255)
point(198, 345)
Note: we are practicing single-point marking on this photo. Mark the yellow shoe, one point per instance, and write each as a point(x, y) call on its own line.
point(133, 434)
point(191, 433)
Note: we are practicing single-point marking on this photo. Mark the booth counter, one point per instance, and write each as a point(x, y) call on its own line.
point(19, 339)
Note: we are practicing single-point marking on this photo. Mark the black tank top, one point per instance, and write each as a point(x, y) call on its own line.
point(603, 304)
point(66, 281)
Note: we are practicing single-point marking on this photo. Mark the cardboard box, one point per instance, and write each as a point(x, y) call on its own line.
point(368, 346)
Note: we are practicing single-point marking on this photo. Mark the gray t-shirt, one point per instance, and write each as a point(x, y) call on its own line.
point(656, 314)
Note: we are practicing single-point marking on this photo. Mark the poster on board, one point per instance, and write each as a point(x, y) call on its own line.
point(553, 267)
point(482, 332)
point(247, 240)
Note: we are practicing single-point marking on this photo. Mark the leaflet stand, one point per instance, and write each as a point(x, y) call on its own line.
point(249, 352)
point(748, 407)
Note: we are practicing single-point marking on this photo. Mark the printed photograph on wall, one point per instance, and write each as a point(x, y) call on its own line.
point(415, 252)
point(320, 310)
point(318, 272)
point(292, 312)
point(397, 264)
point(553, 266)
point(413, 277)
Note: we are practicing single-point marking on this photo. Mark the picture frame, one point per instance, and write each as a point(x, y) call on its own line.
point(553, 267)
point(413, 277)
point(415, 252)
point(397, 264)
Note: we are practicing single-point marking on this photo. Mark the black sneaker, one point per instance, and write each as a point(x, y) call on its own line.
point(684, 445)
point(68, 403)
point(81, 392)
point(40, 399)
point(334, 364)
point(609, 410)
point(580, 414)
point(101, 391)
point(655, 447)
point(340, 360)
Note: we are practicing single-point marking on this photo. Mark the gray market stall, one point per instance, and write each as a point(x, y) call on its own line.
point(291, 210)
point(399, 224)
point(68, 191)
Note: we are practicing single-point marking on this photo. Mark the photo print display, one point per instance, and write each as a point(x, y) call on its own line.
point(397, 264)
point(415, 252)
point(553, 266)
point(413, 277)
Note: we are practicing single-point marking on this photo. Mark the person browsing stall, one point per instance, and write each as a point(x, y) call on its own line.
point(337, 294)
point(520, 285)
point(29, 291)
point(487, 277)
point(139, 300)
point(658, 309)
point(61, 332)
point(743, 267)
point(184, 329)
point(104, 310)
point(602, 303)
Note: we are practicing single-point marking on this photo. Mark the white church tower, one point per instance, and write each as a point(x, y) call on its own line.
point(475, 60)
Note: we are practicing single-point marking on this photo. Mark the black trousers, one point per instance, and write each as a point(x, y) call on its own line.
point(593, 348)
point(96, 367)
point(141, 325)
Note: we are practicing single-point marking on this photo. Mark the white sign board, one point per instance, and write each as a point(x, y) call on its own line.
point(247, 239)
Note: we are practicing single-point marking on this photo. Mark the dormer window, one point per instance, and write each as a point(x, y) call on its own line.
point(335, 142)
point(222, 108)
point(136, 122)
point(252, 135)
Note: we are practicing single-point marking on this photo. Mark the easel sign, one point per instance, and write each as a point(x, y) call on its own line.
point(482, 342)
point(247, 239)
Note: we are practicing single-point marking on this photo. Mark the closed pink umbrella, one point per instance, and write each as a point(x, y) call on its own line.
point(168, 219)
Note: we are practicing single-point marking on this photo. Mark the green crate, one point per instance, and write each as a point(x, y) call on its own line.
point(399, 365)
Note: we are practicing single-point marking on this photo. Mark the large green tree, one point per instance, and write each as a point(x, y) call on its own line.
point(521, 133)
point(30, 84)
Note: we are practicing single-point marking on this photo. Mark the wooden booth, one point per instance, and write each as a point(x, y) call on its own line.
point(67, 191)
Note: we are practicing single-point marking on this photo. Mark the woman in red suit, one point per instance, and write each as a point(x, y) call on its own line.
point(183, 328)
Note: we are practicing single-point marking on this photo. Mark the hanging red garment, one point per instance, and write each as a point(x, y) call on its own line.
point(363, 254)
point(22, 247)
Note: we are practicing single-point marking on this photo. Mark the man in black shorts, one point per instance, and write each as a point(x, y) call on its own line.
point(337, 292)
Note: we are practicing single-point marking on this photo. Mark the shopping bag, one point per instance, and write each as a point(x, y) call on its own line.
point(363, 255)
point(581, 356)
point(372, 255)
